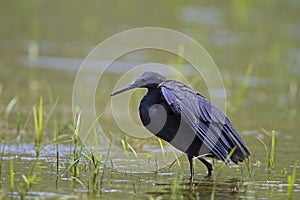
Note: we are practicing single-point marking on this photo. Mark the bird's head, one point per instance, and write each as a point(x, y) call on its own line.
point(146, 79)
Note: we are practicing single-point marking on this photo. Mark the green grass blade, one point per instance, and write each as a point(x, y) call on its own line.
point(291, 181)
point(12, 175)
point(272, 153)
point(96, 143)
point(132, 149)
point(25, 179)
point(91, 128)
point(266, 148)
point(9, 107)
point(35, 120)
point(161, 147)
point(40, 117)
point(125, 145)
point(51, 112)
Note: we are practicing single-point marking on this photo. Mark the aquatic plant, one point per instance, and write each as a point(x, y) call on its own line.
point(95, 175)
point(38, 126)
point(76, 151)
point(26, 184)
point(291, 181)
point(272, 152)
point(39, 123)
point(271, 149)
point(161, 147)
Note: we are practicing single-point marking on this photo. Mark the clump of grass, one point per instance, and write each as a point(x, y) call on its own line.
point(79, 146)
point(271, 150)
point(28, 179)
point(127, 147)
point(81, 152)
point(76, 154)
point(92, 128)
point(39, 126)
point(39, 123)
point(291, 181)
point(95, 175)
point(27, 182)
point(249, 168)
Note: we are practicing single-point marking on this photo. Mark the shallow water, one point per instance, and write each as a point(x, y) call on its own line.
point(41, 53)
point(233, 182)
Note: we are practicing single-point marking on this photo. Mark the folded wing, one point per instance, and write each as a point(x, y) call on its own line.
point(207, 121)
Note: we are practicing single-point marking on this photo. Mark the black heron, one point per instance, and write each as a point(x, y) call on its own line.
point(189, 121)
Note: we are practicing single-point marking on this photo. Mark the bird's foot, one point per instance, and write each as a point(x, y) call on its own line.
point(209, 174)
point(191, 179)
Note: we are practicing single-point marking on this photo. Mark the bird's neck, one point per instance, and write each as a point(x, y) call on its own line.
point(153, 96)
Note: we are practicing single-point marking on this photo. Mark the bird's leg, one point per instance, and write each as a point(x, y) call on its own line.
point(208, 165)
point(190, 158)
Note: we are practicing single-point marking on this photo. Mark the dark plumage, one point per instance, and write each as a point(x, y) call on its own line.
point(186, 119)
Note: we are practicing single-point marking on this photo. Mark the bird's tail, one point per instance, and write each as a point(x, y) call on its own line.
point(240, 152)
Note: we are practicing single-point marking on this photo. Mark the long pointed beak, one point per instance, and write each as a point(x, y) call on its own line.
point(128, 87)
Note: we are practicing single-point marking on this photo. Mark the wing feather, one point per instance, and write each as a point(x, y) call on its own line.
point(207, 121)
